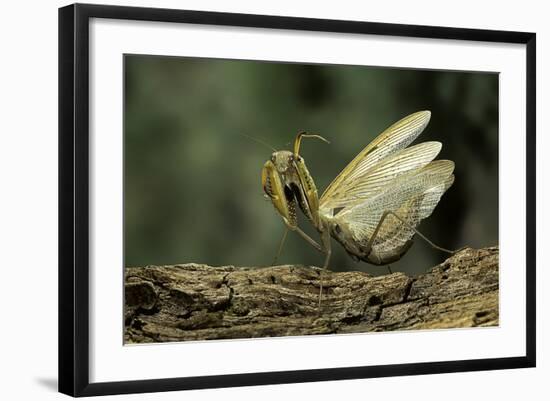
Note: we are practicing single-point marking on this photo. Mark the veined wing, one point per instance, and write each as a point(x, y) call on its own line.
point(380, 175)
point(396, 137)
point(412, 196)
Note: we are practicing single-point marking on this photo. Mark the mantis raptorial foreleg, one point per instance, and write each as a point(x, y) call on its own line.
point(389, 212)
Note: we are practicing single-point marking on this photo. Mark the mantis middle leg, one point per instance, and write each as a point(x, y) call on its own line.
point(325, 240)
point(310, 240)
point(325, 248)
point(280, 247)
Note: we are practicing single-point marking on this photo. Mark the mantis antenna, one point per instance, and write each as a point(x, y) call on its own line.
point(301, 135)
point(259, 141)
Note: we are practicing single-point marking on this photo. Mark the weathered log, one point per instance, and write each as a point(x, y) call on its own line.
point(198, 302)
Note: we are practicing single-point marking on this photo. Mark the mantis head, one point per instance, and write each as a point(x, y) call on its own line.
point(285, 180)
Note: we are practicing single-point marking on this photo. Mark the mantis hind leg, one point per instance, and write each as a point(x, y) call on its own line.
point(433, 245)
point(412, 228)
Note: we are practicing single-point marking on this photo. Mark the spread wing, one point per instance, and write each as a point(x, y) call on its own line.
point(382, 174)
point(374, 167)
point(412, 196)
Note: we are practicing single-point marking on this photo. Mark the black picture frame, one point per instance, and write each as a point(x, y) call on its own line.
point(74, 194)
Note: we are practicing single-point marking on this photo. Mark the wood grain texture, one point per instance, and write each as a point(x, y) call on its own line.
point(199, 302)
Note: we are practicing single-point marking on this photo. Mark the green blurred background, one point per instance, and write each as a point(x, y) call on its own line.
point(192, 181)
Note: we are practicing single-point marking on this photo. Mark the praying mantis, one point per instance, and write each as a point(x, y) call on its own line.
point(372, 208)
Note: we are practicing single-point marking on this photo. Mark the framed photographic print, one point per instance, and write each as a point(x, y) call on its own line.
point(299, 195)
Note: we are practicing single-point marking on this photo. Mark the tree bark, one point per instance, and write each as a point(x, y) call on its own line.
point(199, 302)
